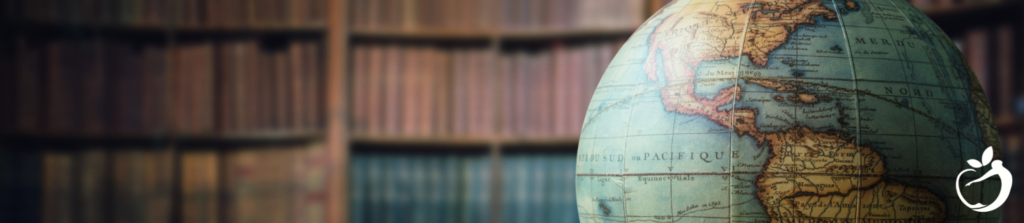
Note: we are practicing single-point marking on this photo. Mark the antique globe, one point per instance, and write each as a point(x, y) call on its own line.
point(787, 111)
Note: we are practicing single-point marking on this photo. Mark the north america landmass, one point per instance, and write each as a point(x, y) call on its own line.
point(811, 173)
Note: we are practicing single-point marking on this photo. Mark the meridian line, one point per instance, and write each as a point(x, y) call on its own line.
point(735, 87)
point(856, 98)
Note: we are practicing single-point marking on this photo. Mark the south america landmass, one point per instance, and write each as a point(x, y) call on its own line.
point(810, 175)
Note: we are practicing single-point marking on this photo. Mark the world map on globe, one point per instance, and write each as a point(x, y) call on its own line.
point(785, 111)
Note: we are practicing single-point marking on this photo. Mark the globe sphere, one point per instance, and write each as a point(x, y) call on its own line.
point(787, 111)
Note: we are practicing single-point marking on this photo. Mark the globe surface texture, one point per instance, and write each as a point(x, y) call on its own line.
point(785, 111)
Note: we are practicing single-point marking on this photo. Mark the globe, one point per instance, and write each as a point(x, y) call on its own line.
point(787, 111)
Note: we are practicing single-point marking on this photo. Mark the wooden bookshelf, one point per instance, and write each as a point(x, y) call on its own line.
point(336, 135)
point(136, 32)
point(459, 35)
point(463, 141)
point(448, 35)
point(327, 139)
point(544, 35)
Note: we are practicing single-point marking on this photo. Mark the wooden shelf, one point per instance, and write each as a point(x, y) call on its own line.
point(149, 141)
point(422, 34)
point(455, 35)
point(135, 29)
point(463, 141)
point(422, 141)
point(541, 142)
point(565, 34)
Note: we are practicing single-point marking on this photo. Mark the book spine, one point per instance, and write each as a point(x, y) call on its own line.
point(392, 90)
point(442, 78)
point(29, 83)
point(358, 190)
point(297, 80)
point(977, 56)
point(426, 90)
point(58, 188)
point(359, 100)
point(509, 184)
point(460, 93)
point(410, 81)
point(92, 185)
point(375, 89)
point(154, 76)
point(375, 184)
point(1006, 61)
point(199, 187)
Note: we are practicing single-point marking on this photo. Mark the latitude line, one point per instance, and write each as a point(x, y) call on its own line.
point(868, 220)
point(707, 80)
point(672, 138)
point(826, 94)
point(727, 173)
point(725, 132)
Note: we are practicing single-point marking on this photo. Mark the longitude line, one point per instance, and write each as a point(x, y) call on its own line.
point(736, 84)
point(625, 145)
point(856, 99)
point(672, 141)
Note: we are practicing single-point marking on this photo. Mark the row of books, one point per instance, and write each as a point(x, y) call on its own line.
point(438, 187)
point(571, 14)
point(420, 91)
point(482, 14)
point(138, 185)
point(192, 13)
point(420, 14)
point(990, 53)
point(547, 92)
point(423, 187)
point(110, 87)
point(538, 188)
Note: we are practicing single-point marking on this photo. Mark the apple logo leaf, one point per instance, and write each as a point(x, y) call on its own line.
point(974, 163)
point(986, 157)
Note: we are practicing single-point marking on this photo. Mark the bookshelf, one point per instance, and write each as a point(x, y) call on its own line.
point(336, 139)
point(82, 155)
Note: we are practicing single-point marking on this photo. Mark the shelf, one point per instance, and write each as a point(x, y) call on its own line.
point(258, 139)
point(135, 29)
point(462, 141)
point(422, 34)
point(391, 141)
point(566, 34)
point(572, 141)
point(150, 141)
point(487, 35)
